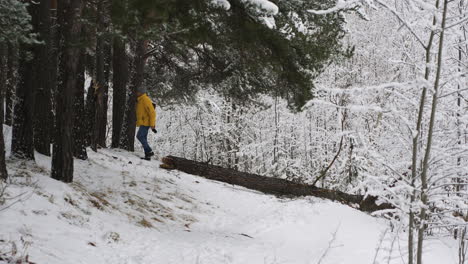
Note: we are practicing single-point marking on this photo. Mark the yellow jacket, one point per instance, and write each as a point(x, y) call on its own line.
point(145, 113)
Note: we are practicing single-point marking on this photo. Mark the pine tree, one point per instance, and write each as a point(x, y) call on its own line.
point(127, 139)
point(120, 79)
point(260, 58)
point(15, 23)
point(103, 50)
point(12, 76)
point(3, 85)
point(43, 101)
point(69, 12)
point(194, 44)
point(15, 27)
point(22, 145)
point(79, 124)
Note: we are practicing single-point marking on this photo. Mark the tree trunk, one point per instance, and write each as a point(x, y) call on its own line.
point(99, 90)
point(22, 145)
point(3, 85)
point(54, 54)
point(69, 12)
point(12, 78)
point(425, 165)
point(90, 67)
point(128, 131)
point(43, 106)
point(79, 128)
point(462, 56)
point(102, 79)
point(462, 247)
point(120, 79)
point(90, 112)
point(270, 185)
point(415, 147)
point(102, 138)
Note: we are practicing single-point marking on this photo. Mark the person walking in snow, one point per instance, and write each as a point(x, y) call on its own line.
point(145, 119)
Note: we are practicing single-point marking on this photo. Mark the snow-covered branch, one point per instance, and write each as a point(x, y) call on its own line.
point(340, 5)
point(403, 21)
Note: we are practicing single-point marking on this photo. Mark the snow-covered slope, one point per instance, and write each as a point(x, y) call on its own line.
point(122, 209)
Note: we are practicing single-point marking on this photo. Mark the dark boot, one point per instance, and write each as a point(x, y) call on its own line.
point(148, 155)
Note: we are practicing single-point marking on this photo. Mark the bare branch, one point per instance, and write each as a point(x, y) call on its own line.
point(394, 12)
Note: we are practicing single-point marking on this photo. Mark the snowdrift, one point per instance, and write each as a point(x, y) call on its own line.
point(122, 209)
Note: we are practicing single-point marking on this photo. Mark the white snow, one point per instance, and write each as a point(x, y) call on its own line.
point(222, 3)
point(101, 218)
point(264, 5)
point(340, 5)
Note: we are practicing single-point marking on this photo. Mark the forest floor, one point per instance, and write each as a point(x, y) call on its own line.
point(121, 209)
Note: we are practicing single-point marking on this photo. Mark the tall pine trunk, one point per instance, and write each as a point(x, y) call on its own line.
point(120, 79)
point(127, 140)
point(90, 65)
point(3, 85)
point(102, 78)
point(54, 56)
point(43, 106)
point(69, 12)
point(90, 109)
point(22, 145)
point(12, 78)
point(102, 138)
point(79, 128)
point(99, 89)
point(101, 93)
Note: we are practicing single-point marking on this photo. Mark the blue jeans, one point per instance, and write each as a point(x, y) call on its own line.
point(142, 136)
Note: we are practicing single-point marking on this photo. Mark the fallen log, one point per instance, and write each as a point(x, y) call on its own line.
point(270, 185)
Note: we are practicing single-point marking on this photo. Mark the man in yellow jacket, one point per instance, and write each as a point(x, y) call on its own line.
point(145, 119)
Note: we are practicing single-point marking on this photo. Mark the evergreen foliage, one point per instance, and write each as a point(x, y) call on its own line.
point(238, 51)
point(15, 22)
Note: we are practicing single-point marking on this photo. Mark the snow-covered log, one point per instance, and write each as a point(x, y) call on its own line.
point(270, 185)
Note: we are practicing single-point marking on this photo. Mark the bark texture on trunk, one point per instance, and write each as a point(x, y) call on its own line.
point(43, 105)
point(69, 12)
point(102, 138)
point(269, 185)
point(99, 89)
point(3, 85)
point(54, 56)
point(79, 128)
point(12, 76)
point(102, 78)
point(127, 140)
point(120, 79)
point(22, 144)
point(90, 109)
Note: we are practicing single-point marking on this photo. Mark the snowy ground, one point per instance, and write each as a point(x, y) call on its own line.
point(122, 209)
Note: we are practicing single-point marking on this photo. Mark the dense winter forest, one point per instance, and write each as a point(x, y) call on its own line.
point(366, 97)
